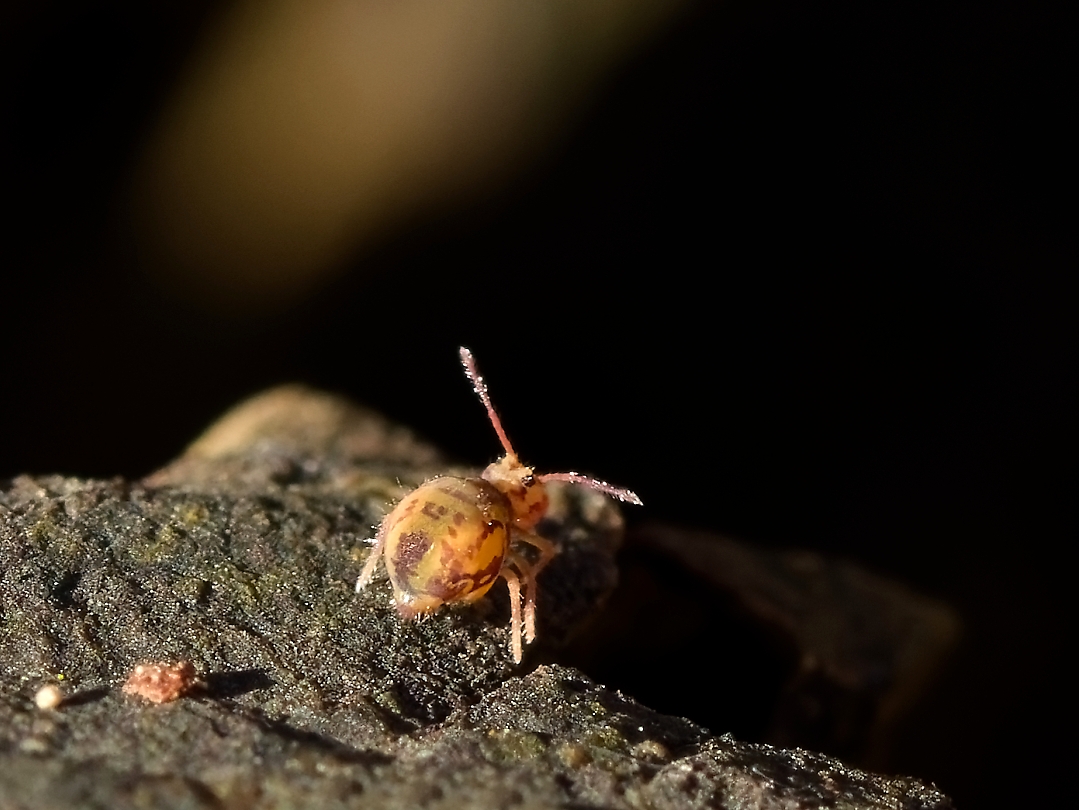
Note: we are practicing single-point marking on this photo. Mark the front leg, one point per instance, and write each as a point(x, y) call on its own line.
point(529, 572)
point(514, 586)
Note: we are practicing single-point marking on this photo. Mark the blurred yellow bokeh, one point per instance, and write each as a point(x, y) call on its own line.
point(304, 130)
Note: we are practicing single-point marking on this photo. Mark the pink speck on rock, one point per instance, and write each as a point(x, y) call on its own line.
point(161, 683)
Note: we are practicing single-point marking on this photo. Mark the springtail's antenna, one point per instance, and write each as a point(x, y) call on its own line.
point(480, 387)
point(624, 495)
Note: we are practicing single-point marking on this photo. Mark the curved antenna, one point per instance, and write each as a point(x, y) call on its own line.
point(480, 387)
point(623, 494)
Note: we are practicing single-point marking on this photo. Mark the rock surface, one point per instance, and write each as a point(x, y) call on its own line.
point(240, 558)
point(863, 647)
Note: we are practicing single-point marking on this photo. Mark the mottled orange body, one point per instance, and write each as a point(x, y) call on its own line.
point(450, 539)
point(446, 542)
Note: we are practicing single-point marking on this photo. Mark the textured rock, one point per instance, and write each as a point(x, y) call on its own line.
point(240, 557)
point(864, 647)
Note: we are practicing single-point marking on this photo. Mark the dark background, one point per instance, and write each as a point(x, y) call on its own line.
point(845, 218)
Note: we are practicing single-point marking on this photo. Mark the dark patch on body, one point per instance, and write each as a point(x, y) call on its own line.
point(457, 577)
point(453, 580)
point(489, 528)
point(485, 575)
point(410, 549)
point(450, 587)
point(433, 510)
point(452, 488)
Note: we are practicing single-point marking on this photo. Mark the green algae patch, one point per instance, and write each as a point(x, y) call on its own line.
point(192, 514)
point(513, 745)
point(166, 543)
point(606, 738)
point(44, 531)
